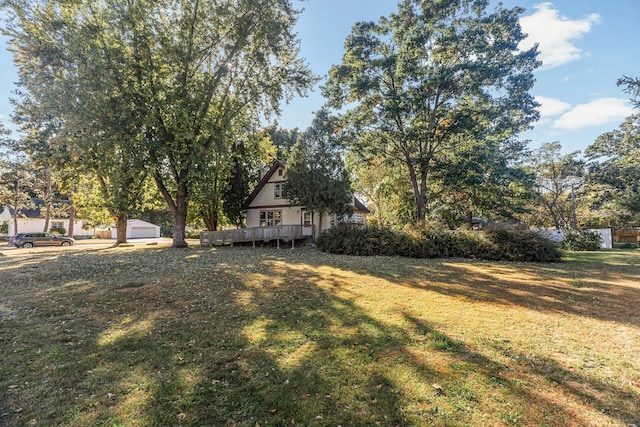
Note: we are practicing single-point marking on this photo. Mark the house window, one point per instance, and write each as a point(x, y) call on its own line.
point(278, 190)
point(306, 218)
point(57, 224)
point(270, 218)
point(279, 172)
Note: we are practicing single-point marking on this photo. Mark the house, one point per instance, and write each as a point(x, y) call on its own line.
point(266, 206)
point(138, 229)
point(31, 219)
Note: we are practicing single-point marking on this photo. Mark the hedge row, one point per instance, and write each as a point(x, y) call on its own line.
point(505, 245)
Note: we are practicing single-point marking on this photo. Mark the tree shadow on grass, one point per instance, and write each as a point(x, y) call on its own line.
point(256, 337)
point(582, 289)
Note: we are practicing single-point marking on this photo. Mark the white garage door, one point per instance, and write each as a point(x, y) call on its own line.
point(139, 232)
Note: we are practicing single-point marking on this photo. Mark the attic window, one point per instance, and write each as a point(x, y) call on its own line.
point(279, 172)
point(278, 190)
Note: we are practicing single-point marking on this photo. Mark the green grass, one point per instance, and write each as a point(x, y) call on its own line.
point(144, 336)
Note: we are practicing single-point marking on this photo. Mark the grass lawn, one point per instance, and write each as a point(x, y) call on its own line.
point(143, 336)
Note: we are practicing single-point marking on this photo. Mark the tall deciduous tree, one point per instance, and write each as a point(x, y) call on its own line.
point(431, 75)
point(557, 177)
point(316, 175)
point(614, 171)
point(483, 179)
point(179, 73)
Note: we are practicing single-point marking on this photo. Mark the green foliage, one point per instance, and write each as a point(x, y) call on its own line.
point(316, 175)
point(632, 87)
point(4, 227)
point(58, 230)
point(430, 78)
point(625, 245)
point(614, 171)
point(585, 240)
point(350, 239)
point(157, 84)
point(507, 245)
point(555, 177)
point(525, 246)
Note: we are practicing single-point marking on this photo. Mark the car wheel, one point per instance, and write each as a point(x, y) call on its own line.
point(66, 244)
point(27, 245)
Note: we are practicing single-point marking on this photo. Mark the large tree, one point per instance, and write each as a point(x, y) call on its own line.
point(431, 75)
point(557, 178)
point(482, 179)
point(179, 72)
point(614, 170)
point(316, 174)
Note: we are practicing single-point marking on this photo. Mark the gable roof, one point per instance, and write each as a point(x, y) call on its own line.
point(35, 208)
point(267, 176)
point(359, 206)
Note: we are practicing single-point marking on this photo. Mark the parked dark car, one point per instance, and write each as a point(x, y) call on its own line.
point(29, 240)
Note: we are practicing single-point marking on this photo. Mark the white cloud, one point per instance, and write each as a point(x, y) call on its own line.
point(555, 34)
point(594, 113)
point(550, 107)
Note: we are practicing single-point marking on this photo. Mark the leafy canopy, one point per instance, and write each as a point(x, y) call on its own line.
point(429, 77)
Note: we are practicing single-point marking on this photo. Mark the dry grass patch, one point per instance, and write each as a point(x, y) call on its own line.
point(143, 336)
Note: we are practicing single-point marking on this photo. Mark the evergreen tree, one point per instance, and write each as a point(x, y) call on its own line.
point(316, 175)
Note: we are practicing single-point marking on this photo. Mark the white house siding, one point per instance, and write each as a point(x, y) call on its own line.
point(264, 199)
point(29, 225)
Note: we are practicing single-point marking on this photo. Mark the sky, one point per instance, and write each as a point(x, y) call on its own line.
point(586, 45)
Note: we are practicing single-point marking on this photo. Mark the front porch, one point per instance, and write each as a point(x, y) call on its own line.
point(286, 233)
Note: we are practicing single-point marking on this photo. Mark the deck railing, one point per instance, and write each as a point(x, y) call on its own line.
point(256, 234)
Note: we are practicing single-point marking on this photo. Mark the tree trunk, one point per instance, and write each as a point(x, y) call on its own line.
point(419, 191)
point(121, 228)
point(72, 220)
point(15, 221)
point(210, 218)
point(180, 222)
point(47, 215)
point(15, 207)
point(470, 219)
point(178, 208)
point(47, 200)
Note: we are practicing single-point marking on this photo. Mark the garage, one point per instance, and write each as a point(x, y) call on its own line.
point(138, 229)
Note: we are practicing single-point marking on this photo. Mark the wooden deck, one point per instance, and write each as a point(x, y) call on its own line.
point(286, 233)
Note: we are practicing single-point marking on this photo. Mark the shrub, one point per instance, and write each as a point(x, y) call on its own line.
point(428, 243)
point(625, 245)
point(58, 230)
point(4, 228)
point(522, 245)
point(585, 240)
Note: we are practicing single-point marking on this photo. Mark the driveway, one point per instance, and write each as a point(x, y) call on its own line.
point(105, 243)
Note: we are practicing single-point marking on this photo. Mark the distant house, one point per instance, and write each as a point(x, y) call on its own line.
point(138, 229)
point(32, 219)
point(267, 206)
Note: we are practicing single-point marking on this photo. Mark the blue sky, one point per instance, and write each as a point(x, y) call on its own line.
point(586, 46)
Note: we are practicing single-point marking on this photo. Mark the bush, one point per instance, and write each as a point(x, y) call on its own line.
point(428, 243)
point(58, 230)
point(522, 245)
point(625, 245)
point(4, 228)
point(582, 240)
